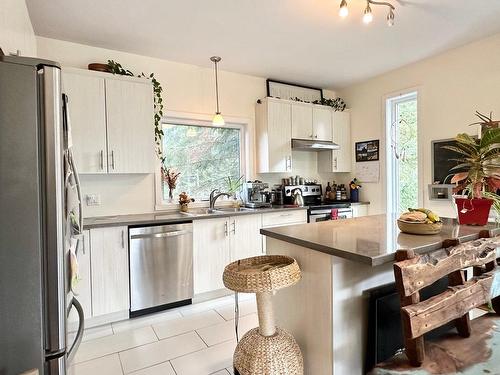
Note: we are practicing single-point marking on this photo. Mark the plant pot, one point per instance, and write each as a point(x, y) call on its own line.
point(184, 207)
point(473, 211)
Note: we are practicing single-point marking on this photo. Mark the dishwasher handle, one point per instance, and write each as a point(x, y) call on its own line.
point(174, 233)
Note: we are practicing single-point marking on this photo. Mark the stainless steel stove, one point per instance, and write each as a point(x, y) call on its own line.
point(318, 210)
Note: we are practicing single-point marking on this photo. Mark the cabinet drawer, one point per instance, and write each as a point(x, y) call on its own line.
point(274, 219)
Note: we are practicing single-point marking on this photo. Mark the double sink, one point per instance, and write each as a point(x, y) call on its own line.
point(215, 211)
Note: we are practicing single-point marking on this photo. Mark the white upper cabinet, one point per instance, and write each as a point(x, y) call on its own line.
point(311, 122)
point(130, 127)
point(338, 160)
point(342, 136)
point(87, 109)
point(322, 123)
point(112, 122)
point(274, 133)
point(302, 121)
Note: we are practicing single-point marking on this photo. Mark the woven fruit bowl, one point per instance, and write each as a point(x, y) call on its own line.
point(412, 227)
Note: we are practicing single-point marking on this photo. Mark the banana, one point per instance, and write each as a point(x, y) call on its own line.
point(431, 215)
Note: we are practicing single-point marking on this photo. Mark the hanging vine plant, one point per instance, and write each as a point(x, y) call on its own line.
point(117, 68)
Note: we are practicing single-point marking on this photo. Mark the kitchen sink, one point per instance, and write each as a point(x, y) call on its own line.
point(201, 212)
point(234, 209)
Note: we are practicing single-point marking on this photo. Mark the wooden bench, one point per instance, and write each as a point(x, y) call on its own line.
point(413, 273)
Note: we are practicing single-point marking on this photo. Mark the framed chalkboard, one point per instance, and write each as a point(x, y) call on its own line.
point(442, 161)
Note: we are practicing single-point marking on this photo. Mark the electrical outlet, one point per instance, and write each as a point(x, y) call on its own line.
point(93, 199)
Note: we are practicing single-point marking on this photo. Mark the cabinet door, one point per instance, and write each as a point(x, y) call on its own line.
point(110, 273)
point(245, 238)
point(87, 110)
point(279, 134)
point(342, 158)
point(129, 109)
point(302, 121)
point(211, 253)
point(83, 290)
point(322, 123)
point(359, 210)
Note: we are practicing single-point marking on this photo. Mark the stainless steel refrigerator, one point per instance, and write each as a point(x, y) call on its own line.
point(40, 219)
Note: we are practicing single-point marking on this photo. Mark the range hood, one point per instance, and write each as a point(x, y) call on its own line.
point(313, 145)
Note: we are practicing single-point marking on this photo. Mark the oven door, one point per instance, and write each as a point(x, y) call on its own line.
point(326, 214)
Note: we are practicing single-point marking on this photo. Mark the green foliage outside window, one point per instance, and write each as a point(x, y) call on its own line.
point(205, 157)
point(408, 166)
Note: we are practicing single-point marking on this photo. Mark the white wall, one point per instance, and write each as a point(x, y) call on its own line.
point(16, 32)
point(188, 88)
point(452, 86)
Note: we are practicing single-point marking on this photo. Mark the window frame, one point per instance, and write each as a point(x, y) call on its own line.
point(205, 120)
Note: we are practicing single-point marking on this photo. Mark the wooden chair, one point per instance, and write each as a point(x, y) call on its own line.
point(413, 273)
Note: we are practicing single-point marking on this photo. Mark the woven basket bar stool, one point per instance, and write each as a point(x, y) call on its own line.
point(266, 350)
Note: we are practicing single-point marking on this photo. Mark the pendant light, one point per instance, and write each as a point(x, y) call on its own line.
point(344, 10)
point(368, 15)
point(218, 120)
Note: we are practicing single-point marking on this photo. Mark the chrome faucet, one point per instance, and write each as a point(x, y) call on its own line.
point(214, 195)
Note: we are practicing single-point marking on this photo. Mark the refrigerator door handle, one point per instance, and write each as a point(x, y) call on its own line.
point(79, 335)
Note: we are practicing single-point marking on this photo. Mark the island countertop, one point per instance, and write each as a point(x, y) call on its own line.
point(372, 240)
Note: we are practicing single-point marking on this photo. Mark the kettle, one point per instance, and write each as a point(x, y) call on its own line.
point(298, 199)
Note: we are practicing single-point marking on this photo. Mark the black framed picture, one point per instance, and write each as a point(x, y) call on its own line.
point(367, 150)
point(290, 91)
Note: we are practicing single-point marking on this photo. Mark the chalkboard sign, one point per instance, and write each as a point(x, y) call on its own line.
point(441, 161)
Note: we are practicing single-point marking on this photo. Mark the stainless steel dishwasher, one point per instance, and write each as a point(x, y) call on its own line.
point(161, 267)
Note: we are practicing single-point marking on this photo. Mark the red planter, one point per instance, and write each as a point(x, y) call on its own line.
point(473, 211)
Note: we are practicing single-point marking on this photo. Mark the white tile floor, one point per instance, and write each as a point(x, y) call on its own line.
point(198, 339)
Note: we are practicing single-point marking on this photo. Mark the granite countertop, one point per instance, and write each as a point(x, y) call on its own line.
point(373, 240)
point(168, 217)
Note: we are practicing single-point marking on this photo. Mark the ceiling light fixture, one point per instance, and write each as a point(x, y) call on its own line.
point(344, 10)
point(390, 18)
point(218, 120)
point(368, 14)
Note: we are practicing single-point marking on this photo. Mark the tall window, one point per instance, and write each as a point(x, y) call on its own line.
point(402, 153)
point(204, 155)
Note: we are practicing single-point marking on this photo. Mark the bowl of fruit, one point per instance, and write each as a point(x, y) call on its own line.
point(420, 221)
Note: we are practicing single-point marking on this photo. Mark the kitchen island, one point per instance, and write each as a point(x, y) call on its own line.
point(327, 311)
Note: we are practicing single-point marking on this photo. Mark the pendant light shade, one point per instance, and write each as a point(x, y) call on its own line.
point(218, 120)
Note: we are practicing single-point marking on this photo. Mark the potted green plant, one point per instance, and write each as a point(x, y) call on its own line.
point(479, 179)
point(233, 187)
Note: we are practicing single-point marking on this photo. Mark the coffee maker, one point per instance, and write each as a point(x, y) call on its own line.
point(256, 194)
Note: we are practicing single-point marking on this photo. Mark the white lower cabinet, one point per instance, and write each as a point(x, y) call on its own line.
point(359, 210)
point(218, 242)
point(245, 238)
point(282, 218)
point(110, 274)
point(83, 288)
point(211, 253)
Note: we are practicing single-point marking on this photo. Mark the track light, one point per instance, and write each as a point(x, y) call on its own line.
point(390, 18)
point(344, 10)
point(368, 15)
